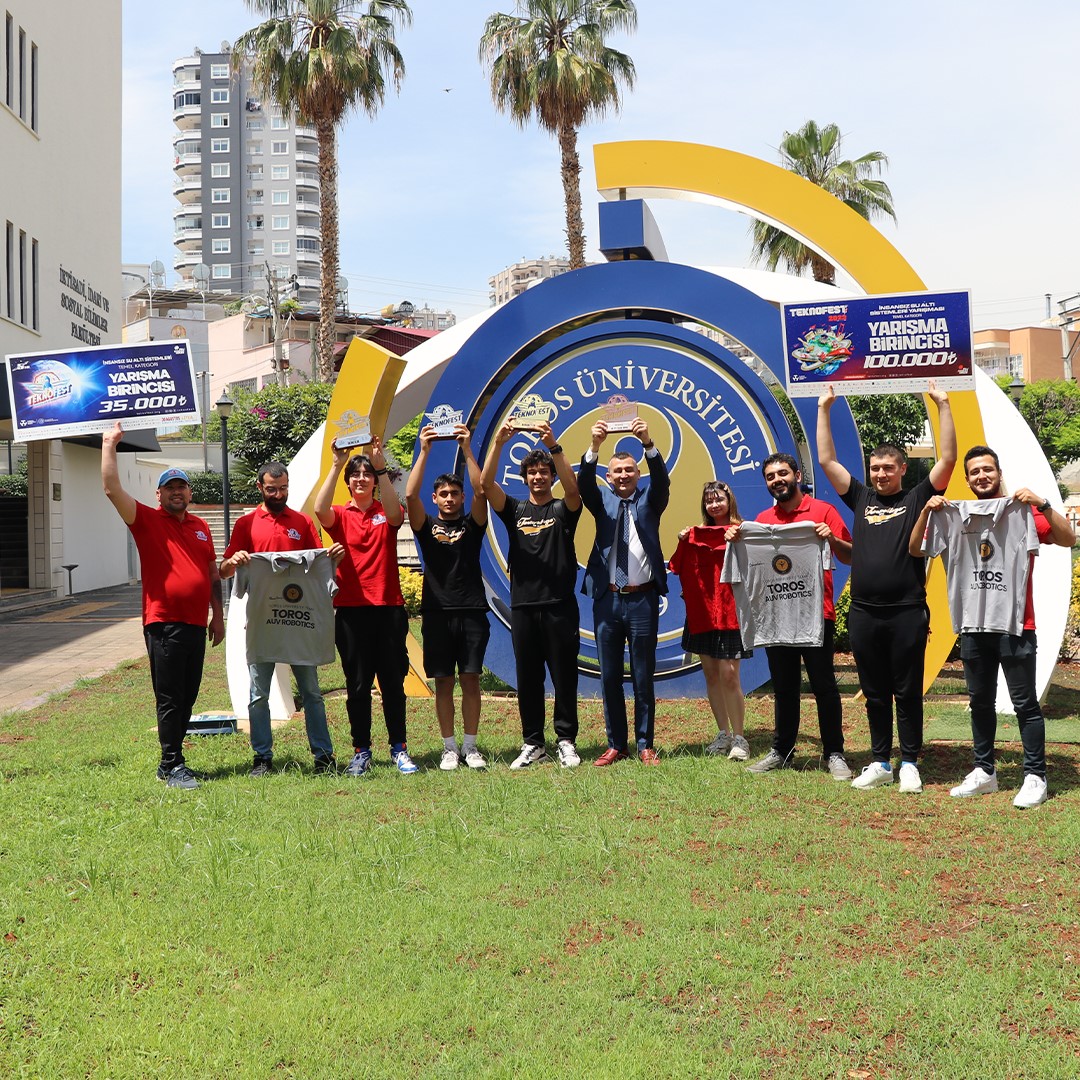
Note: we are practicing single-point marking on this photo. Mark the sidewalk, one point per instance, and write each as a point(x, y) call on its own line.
point(49, 649)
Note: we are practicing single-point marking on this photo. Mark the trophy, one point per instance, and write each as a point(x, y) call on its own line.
point(619, 413)
point(444, 418)
point(353, 430)
point(530, 412)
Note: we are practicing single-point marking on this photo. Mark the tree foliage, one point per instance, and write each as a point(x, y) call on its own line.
point(1051, 408)
point(899, 419)
point(272, 424)
point(403, 442)
point(551, 61)
point(814, 154)
point(319, 60)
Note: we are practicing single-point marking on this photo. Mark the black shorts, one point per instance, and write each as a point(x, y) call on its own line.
point(454, 639)
point(719, 644)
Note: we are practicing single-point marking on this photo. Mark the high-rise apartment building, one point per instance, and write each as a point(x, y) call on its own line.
point(247, 183)
point(514, 280)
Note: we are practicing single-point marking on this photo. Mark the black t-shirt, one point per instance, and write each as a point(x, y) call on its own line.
point(452, 578)
point(543, 563)
point(883, 572)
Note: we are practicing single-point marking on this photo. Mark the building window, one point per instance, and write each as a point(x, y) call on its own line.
point(219, 96)
point(279, 123)
point(22, 80)
point(219, 169)
point(279, 172)
point(219, 146)
point(254, 148)
point(255, 221)
point(22, 277)
point(220, 221)
point(33, 93)
point(279, 198)
point(219, 71)
point(306, 243)
point(219, 195)
point(34, 264)
point(10, 270)
point(221, 245)
point(253, 125)
point(279, 147)
point(255, 249)
point(222, 270)
point(281, 247)
point(9, 54)
point(279, 221)
point(186, 97)
point(219, 120)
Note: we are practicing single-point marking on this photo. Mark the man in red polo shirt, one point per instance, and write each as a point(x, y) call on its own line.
point(370, 620)
point(180, 584)
point(275, 526)
point(784, 480)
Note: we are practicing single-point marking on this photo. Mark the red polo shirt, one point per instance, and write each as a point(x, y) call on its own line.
point(176, 555)
point(368, 575)
point(814, 511)
point(262, 531)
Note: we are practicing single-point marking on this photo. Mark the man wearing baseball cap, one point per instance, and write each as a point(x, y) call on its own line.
point(180, 584)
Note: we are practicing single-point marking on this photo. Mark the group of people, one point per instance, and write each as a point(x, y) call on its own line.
point(738, 584)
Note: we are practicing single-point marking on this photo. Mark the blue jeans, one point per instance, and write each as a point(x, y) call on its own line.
point(982, 654)
point(622, 619)
point(307, 682)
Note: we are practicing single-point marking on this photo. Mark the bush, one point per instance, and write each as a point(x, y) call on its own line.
point(412, 582)
point(18, 482)
point(206, 489)
point(841, 638)
point(1070, 643)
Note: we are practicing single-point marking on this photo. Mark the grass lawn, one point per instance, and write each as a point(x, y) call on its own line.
point(689, 920)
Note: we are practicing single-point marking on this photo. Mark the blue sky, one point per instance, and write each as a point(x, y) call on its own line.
point(439, 192)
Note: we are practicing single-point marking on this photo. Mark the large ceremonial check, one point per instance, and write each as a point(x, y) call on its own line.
point(60, 394)
point(879, 344)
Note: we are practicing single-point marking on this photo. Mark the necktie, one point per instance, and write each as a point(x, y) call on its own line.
point(622, 546)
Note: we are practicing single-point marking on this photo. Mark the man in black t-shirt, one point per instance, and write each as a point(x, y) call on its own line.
point(453, 606)
point(544, 624)
point(888, 621)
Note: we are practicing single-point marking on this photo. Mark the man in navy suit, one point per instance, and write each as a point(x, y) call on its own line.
point(626, 576)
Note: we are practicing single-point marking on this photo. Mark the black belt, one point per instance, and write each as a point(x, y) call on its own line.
point(624, 589)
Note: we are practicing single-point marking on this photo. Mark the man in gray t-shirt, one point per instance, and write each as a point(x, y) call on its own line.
point(985, 555)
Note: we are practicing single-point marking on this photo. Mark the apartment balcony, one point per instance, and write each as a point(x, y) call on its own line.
point(185, 163)
point(308, 231)
point(306, 131)
point(192, 209)
point(194, 63)
point(189, 234)
point(185, 136)
point(308, 181)
point(308, 282)
point(187, 259)
point(311, 258)
point(188, 117)
point(188, 189)
point(306, 158)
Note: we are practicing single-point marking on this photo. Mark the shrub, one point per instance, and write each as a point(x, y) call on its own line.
point(206, 489)
point(841, 638)
point(1070, 643)
point(412, 582)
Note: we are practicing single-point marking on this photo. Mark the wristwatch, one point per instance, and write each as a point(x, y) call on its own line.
point(553, 450)
point(1045, 506)
point(379, 472)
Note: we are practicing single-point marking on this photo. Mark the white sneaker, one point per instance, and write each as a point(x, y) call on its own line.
point(910, 780)
point(568, 755)
point(475, 760)
point(740, 749)
point(873, 775)
point(721, 744)
point(530, 755)
point(450, 760)
point(837, 767)
point(1033, 793)
point(977, 782)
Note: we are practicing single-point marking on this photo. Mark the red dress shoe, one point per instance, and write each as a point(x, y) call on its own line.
point(610, 756)
point(649, 756)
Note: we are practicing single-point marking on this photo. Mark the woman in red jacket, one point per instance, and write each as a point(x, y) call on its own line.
point(712, 625)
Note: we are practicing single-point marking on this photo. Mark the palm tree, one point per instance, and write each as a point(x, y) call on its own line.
point(318, 59)
point(814, 153)
point(552, 61)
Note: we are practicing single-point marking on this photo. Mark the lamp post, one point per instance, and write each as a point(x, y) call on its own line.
point(1015, 390)
point(224, 411)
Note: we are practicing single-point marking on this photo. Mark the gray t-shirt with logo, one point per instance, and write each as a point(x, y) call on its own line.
point(290, 610)
point(986, 546)
point(777, 573)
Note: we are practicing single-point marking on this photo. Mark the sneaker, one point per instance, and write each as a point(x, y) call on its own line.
point(325, 763)
point(721, 744)
point(405, 764)
point(450, 760)
point(772, 760)
point(180, 776)
point(837, 767)
point(360, 764)
point(977, 782)
point(1033, 792)
point(475, 760)
point(530, 755)
point(740, 749)
point(263, 766)
point(875, 774)
point(568, 755)
point(910, 780)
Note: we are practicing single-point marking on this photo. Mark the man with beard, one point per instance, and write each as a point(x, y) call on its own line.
point(989, 550)
point(784, 479)
point(275, 526)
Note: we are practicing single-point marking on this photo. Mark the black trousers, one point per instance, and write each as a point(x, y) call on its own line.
point(176, 652)
point(787, 685)
point(889, 647)
point(371, 642)
point(546, 636)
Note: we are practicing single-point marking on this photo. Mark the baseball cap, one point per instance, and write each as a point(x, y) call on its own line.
point(173, 474)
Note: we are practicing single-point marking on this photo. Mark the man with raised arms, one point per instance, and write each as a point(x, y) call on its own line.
point(453, 606)
point(989, 548)
point(544, 625)
point(180, 584)
point(888, 620)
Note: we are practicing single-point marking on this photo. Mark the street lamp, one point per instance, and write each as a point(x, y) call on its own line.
point(224, 411)
point(1015, 389)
